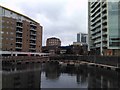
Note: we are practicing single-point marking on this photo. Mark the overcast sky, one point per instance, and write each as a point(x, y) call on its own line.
point(60, 18)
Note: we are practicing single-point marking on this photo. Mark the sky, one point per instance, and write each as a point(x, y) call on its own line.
point(60, 18)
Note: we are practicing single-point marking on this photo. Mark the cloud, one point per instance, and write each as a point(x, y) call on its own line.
point(59, 18)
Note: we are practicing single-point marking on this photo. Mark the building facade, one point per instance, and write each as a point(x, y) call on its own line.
point(52, 46)
point(82, 37)
point(82, 41)
point(53, 42)
point(19, 32)
point(103, 26)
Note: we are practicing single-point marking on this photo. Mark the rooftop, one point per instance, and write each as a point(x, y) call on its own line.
point(18, 13)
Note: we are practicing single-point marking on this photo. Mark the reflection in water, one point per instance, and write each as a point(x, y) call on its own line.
point(79, 77)
point(63, 77)
point(21, 76)
point(101, 78)
point(52, 71)
point(55, 76)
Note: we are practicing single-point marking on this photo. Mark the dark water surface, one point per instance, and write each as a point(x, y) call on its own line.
point(52, 75)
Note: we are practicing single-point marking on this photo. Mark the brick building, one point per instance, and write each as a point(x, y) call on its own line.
point(19, 32)
point(53, 42)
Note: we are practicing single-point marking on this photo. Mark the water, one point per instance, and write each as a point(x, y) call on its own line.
point(55, 76)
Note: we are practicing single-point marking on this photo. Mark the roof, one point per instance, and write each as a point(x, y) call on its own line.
point(18, 13)
point(53, 38)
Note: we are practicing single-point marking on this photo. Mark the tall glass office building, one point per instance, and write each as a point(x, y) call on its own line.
point(82, 37)
point(104, 26)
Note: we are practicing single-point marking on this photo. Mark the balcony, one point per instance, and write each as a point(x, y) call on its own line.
point(19, 27)
point(96, 21)
point(104, 45)
point(104, 27)
point(32, 29)
point(96, 36)
point(97, 10)
point(97, 41)
point(96, 31)
point(33, 39)
point(104, 10)
point(104, 39)
point(32, 24)
point(104, 33)
point(104, 4)
point(33, 44)
point(20, 37)
point(95, 7)
point(104, 15)
point(18, 42)
point(93, 38)
point(104, 30)
point(19, 21)
point(19, 31)
point(93, 4)
point(32, 48)
point(98, 25)
point(33, 34)
point(97, 16)
point(18, 47)
point(104, 21)
point(98, 45)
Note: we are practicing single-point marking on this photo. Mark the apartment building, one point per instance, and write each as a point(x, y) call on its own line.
point(19, 32)
point(103, 26)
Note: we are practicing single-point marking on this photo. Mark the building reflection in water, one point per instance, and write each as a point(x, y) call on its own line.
point(94, 77)
point(81, 76)
point(52, 71)
point(21, 76)
point(102, 78)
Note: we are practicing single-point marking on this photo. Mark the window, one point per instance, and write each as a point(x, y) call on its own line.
point(11, 13)
point(3, 26)
point(11, 33)
point(7, 21)
point(2, 32)
point(1, 37)
point(11, 38)
point(3, 21)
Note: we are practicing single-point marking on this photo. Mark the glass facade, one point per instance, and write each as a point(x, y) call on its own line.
point(83, 38)
point(113, 25)
point(78, 37)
